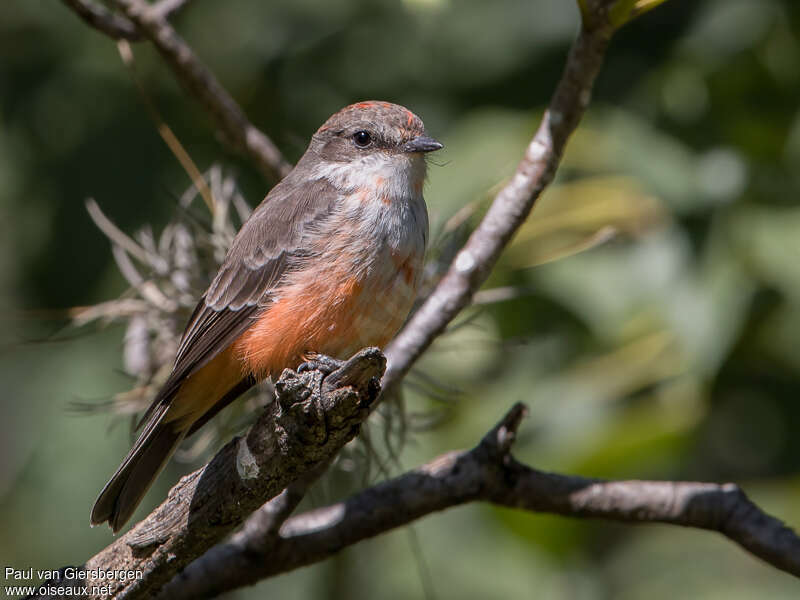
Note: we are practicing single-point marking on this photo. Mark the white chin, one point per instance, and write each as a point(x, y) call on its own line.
point(399, 174)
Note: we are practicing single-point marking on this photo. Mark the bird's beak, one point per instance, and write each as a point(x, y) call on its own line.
point(422, 143)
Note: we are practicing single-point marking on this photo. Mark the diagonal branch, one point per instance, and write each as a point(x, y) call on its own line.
point(116, 26)
point(513, 203)
point(202, 85)
point(98, 16)
point(487, 473)
point(311, 419)
point(143, 20)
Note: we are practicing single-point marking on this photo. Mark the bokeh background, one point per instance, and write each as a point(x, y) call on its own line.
point(668, 351)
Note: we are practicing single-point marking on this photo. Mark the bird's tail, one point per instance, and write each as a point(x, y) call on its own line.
point(126, 488)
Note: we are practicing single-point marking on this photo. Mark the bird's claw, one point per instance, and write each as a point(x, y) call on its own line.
point(320, 362)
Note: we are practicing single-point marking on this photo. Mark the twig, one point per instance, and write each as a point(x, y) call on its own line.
point(202, 85)
point(143, 20)
point(105, 21)
point(167, 8)
point(487, 473)
point(115, 234)
point(116, 26)
point(165, 131)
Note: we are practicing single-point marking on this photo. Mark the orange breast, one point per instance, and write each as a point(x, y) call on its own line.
point(333, 313)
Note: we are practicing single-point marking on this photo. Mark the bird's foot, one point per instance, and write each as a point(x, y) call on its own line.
point(320, 362)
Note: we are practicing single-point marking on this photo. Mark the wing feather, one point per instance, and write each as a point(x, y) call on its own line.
point(271, 243)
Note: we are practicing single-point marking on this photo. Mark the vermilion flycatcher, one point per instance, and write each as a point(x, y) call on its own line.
point(328, 263)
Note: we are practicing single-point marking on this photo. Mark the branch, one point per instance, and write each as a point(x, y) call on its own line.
point(296, 436)
point(201, 84)
point(143, 20)
point(487, 473)
point(116, 26)
point(513, 203)
point(105, 21)
point(166, 8)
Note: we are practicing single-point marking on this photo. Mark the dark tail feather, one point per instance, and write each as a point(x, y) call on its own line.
point(126, 488)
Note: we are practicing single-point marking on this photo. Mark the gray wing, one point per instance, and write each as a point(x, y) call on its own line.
point(271, 243)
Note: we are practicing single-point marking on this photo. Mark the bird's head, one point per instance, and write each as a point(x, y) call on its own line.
point(369, 140)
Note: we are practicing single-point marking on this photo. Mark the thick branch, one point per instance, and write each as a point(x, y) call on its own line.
point(473, 263)
point(486, 473)
point(310, 421)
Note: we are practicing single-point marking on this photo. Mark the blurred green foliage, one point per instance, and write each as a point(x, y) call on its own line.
point(669, 350)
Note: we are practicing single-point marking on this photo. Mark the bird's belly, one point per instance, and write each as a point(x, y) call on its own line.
point(383, 308)
point(335, 313)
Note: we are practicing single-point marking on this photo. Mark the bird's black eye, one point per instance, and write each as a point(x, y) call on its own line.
point(362, 139)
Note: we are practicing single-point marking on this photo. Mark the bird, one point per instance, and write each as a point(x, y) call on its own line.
point(328, 263)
